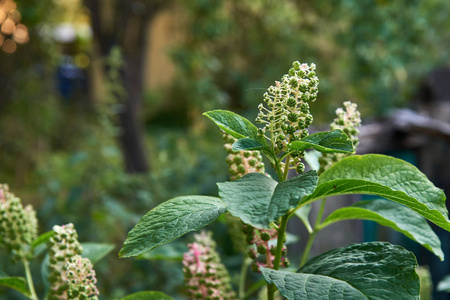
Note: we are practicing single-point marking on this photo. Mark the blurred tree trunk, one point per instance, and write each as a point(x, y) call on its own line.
point(126, 23)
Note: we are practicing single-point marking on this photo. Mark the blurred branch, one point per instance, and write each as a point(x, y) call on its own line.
point(126, 24)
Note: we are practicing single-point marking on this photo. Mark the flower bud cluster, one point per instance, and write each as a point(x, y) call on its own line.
point(205, 276)
point(263, 251)
point(285, 112)
point(348, 120)
point(18, 225)
point(64, 258)
point(80, 278)
point(241, 162)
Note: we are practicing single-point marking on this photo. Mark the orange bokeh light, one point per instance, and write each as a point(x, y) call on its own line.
point(20, 34)
point(7, 5)
point(9, 46)
point(2, 16)
point(8, 26)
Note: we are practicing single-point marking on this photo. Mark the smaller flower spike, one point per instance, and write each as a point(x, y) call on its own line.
point(18, 225)
point(348, 120)
point(205, 276)
point(241, 162)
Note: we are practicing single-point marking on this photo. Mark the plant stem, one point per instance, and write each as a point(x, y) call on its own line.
point(312, 236)
point(286, 168)
point(26, 264)
point(278, 169)
point(280, 241)
point(242, 277)
point(278, 253)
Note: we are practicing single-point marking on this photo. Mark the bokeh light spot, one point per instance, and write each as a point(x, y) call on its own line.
point(8, 26)
point(82, 60)
point(2, 16)
point(9, 46)
point(20, 34)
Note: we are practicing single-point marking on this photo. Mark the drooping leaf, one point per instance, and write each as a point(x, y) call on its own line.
point(444, 285)
point(233, 124)
point(39, 245)
point(378, 269)
point(45, 272)
point(295, 286)
point(247, 144)
point(393, 215)
point(147, 295)
point(96, 251)
point(259, 200)
point(42, 239)
point(303, 215)
point(170, 220)
point(325, 142)
point(386, 177)
point(17, 283)
point(312, 159)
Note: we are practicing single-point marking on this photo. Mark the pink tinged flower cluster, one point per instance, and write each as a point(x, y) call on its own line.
point(205, 276)
point(80, 278)
point(263, 247)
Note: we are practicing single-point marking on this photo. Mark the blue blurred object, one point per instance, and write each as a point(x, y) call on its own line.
point(70, 78)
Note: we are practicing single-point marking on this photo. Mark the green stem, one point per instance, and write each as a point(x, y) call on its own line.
point(26, 264)
point(243, 276)
point(280, 242)
point(281, 233)
point(276, 263)
point(278, 169)
point(313, 234)
point(270, 291)
point(286, 168)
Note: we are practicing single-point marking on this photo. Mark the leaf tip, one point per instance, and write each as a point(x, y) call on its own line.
point(123, 253)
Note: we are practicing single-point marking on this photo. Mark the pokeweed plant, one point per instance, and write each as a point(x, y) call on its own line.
point(375, 270)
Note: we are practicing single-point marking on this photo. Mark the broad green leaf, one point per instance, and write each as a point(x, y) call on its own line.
point(248, 198)
point(170, 220)
point(295, 286)
point(393, 215)
point(444, 285)
point(325, 142)
point(247, 144)
point(17, 283)
point(288, 193)
point(45, 272)
point(379, 270)
point(259, 200)
point(150, 295)
point(386, 177)
point(96, 251)
point(234, 124)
